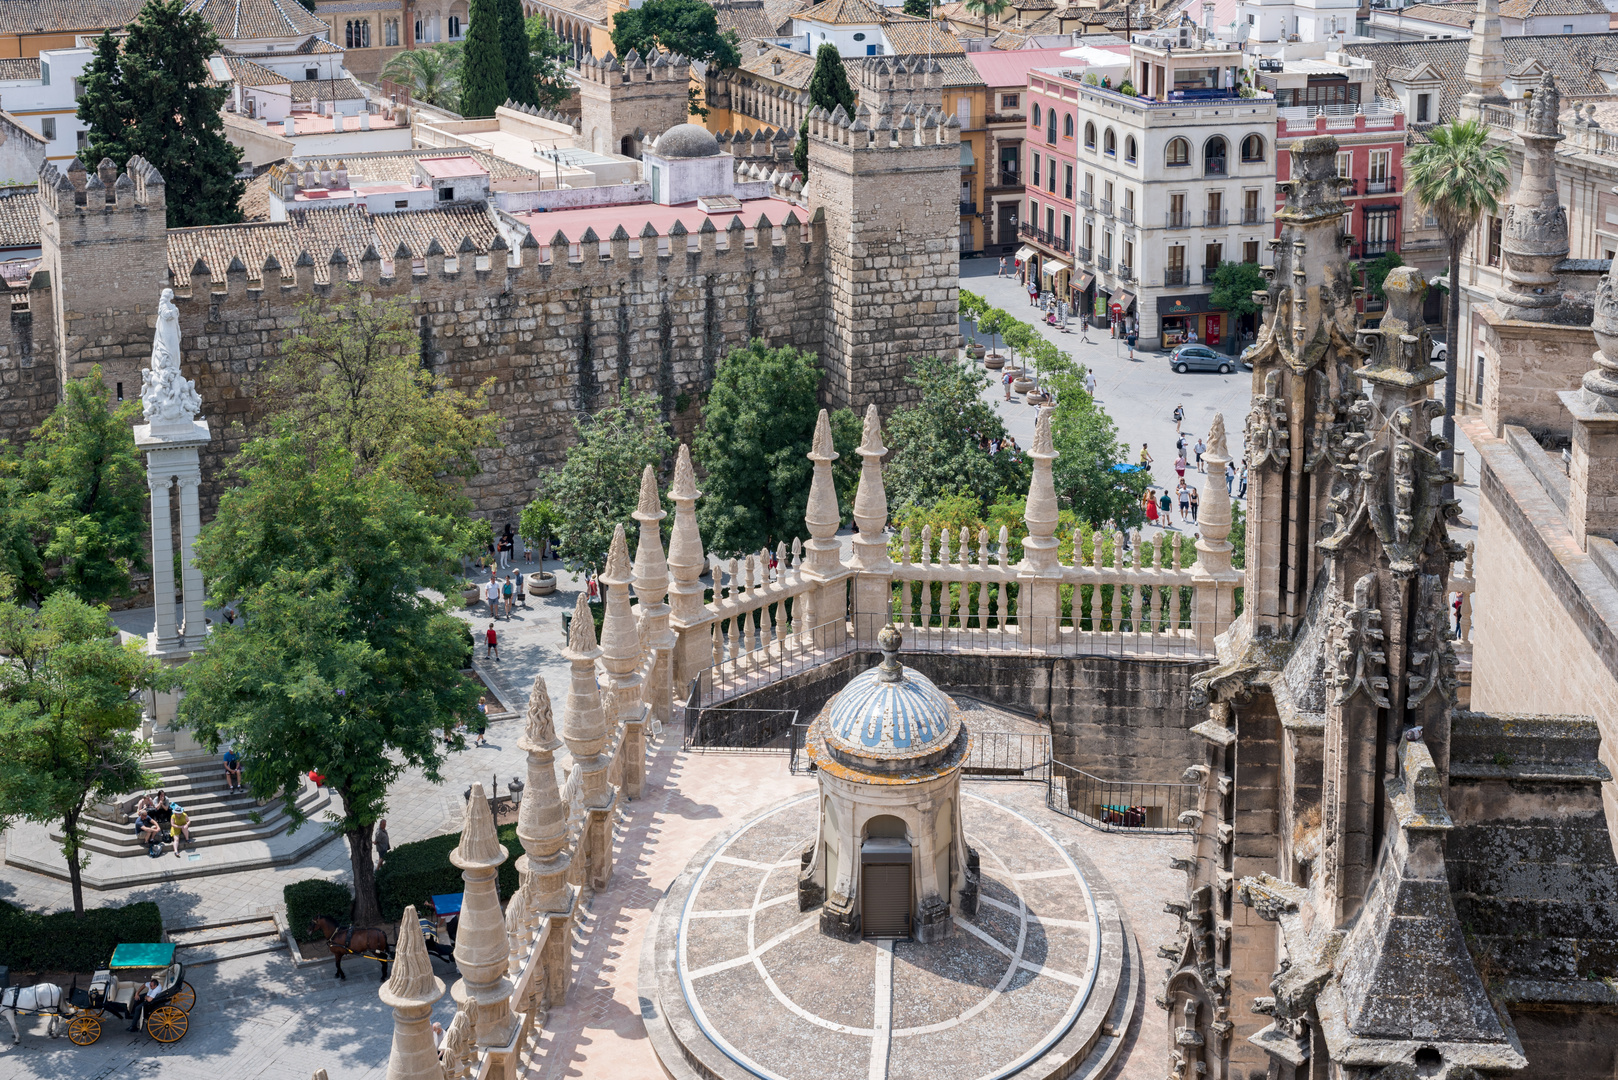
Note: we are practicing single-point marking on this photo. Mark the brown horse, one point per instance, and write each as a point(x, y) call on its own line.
point(353, 941)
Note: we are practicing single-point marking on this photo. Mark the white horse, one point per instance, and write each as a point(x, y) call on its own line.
point(43, 998)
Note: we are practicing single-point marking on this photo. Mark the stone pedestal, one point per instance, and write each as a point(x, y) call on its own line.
point(1592, 506)
point(172, 463)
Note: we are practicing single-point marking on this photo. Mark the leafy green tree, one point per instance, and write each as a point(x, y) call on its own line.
point(1088, 452)
point(548, 54)
point(920, 9)
point(353, 377)
point(758, 424)
point(70, 705)
point(539, 521)
point(989, 9)
point(800, 150)
point(1377, 271)
point(687, 27)
point(154, 98)
point(483, 63)
point(1234, 284)
point(598, 486)
point(432, 73)
point(828, 88)
point(515, 41)
point(1458, 175)
point(347, 663)
point(939, 441)
point(73, 499)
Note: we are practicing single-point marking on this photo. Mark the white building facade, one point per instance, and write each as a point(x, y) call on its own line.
point(1173, 180)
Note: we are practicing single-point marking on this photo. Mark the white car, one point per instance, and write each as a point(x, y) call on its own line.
point(1440, 352)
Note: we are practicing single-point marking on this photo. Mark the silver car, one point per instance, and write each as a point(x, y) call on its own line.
point(1199, 358)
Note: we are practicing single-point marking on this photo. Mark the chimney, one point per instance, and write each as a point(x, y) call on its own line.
point(289, 126)
point(365, 120)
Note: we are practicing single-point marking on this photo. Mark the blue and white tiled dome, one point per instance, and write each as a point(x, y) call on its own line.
point(890, 717)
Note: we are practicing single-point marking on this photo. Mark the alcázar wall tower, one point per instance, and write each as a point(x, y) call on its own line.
point(887, 180)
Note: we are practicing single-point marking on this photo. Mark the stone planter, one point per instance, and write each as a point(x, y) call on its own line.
point(994, 363)
point(975, 351)
point(541, 584)
point(1021, 384)
point(472, 595)
point(1038, 397)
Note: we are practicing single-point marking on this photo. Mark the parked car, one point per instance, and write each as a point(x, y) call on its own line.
point(1440, 352)
point(1199, 358)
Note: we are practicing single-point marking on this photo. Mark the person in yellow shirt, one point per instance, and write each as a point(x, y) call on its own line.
point(179, 827)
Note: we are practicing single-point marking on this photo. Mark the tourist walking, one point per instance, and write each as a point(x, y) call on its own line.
point(1145, 458)
point(1133, 337)
point(1184, 492)
point(1196, 501)
point(1180, 465)
point(507, 593)
point(1243, 494)
point(1006, 380)
point(1179, 417)
point(381, 842)
point(1201, 446)
point(491, 650)
point(1230, 477)
point(1033, 291)
point(491, 593)
point(521, 595)
point(1090, 382)
point(1151, 506)
point(1165, 509)
point(1002, 272)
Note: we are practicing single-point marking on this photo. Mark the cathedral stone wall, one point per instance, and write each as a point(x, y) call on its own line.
point(1542, 637)
point(1525, 365)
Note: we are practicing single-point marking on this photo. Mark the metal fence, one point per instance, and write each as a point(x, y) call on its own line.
point(724, 728)
point(1119, 806)
point(1008, 755)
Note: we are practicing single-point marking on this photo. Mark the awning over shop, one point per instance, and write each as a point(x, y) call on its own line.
point(1124, 300)
point(1084, 281)
point(1194, 304)
point(1025, 252)
point(1053, 267)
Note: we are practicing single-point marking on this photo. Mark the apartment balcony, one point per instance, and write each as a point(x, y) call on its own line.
point(1126, 214)
point(1106, 207)
point(1176, 276)
point(1377, 247)
point(1082, 253)
point(1103, 262)
point(1252, 215)
point(1385, 186)
point(1126, 273)
point(1347, 186)
point(1213, 167)
point(1051, 240)
point(1084, 198)
point(1212, 219)
point(1179, 219)
point(1208, 273)
point(968, 209)
point(1008, 180)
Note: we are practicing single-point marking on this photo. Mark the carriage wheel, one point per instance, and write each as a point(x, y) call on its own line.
point(84, 1029)
point(185, 998)
point(167, 1024)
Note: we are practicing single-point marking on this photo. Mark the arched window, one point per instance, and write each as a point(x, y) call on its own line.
point(1067, 125)
point(1037, 115)
point(454, 27)
point(1089, 135)
point(1109, 143)
point(1213, 156)
point(418, 30)
point(1050, 126)
point(1253, 148)
point(1129, 149)
point(1179, 152)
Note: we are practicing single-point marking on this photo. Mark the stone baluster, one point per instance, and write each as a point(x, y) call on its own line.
point(1040, 574)
point(979, 605)
point(873, 581)
point(751, 631)
point(1117, 592)
point(926, 609)
point(1140, 608)
point(584, 729)
point(1213, 580)
point(1174, 593)
point(459, 1050)
point(542, 829)
point(823, 554)
point(651, 577)
point(693, 648)
point(904, 579)
point(1002, 559)
point(411, 991)
point(482, 952)
point(963, 551)
point(797, 554)
point(620, 655)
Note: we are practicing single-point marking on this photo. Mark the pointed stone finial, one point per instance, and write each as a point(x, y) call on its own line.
point(581, 635)
point(479, 845)
point(871, 498)
point(540, 730)
point(541, 818)
point(411, 981)
point(1043, 442)
point(1216, 438)
point(1214, 513)
point(822, 515)
point(1039, 549)
point(651, 566)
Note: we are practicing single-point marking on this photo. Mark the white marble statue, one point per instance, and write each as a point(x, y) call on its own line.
point(167, 397)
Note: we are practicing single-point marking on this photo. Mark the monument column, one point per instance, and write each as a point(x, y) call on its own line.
point(165, 638)
point(195, 627)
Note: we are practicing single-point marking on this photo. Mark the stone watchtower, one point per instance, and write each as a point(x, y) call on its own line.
point(887, 87)
point(621, 103)
point(104, 241)
point(888, 187)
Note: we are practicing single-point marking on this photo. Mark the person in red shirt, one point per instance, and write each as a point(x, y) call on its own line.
point(493, 649)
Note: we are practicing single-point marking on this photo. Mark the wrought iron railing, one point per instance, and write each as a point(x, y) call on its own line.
point(1103, 262)
point(1176, 276)
point(1126, 213)
point(1008, 755)
point(1179, 219)
point(722, 727)
point(1120, 805)
point(1213, 218)
point(1252, 215)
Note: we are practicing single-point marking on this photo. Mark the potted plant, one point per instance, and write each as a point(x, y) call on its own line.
point(540, 520)
point(991, 323)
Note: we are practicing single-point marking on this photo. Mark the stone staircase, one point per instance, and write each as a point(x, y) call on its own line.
point(217, 816)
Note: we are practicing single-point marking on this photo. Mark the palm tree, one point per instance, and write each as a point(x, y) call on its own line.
point(989, 9)
point(432, 74)
point(1458, 176)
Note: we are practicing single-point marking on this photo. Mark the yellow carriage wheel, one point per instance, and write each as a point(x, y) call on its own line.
point(184, 998)
point(167, 1024)
point(84, 1029)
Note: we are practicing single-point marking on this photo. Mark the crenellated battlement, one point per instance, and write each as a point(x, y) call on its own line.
point(656, 66)
point(915, 126)
point(107, 189)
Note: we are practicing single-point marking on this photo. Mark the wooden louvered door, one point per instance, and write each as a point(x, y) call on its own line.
point(885, 900)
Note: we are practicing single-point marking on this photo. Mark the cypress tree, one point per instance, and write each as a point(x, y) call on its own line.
point(828, 86)
point(152, 98)
point(520, 85)
point(483, 62)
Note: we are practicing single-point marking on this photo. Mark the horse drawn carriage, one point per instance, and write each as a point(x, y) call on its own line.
point(113, 992)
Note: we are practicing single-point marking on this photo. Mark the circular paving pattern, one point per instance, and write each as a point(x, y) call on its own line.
point(785, 1002)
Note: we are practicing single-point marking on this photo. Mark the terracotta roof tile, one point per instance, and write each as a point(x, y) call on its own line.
point(918, 37)
point(255, 200)
point(244, 72)
point(235, 19)
point(34, 16)
point(19, 216)
point(796, 67)
point(325, 90)
point(20, 68)
point(749, 18)
point(842, 12)
point(1522, 9)
point(399, 166)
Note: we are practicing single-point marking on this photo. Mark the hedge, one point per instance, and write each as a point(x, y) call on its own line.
point(413, 872)
point(316, 896)
point(32, 941)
